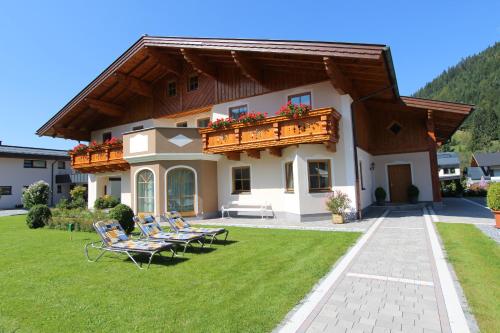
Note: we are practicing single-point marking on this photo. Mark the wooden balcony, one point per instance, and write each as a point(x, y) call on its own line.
point(103, 158)
point(274, 133)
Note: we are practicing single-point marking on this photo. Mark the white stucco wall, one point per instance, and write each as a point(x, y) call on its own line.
point(420, 171)
point(368, 189)
point(97, 183)
point(13, 173)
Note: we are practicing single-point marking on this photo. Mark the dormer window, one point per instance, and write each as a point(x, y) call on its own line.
point(192, 83)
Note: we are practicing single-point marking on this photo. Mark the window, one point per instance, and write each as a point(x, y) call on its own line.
point(395, 127)
point(59, 189)
point(172, 88)
point(448, 171)
point(38, 164)
point(145, 191)
point(241, 180)
point(61, 165)
point(137, 128)
point(304, 98)
point(289, 177)
point(361, 176)
point(182, 124)
point(193, 83)
point(5, 190)
point(237, 111)
point(106, 136)
point(319, 176)
point(203, 122)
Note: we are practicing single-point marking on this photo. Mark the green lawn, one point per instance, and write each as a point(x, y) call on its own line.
point(47, 285)
point(476, 260)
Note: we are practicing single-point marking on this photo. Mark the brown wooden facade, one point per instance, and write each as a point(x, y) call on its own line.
point(103, 158)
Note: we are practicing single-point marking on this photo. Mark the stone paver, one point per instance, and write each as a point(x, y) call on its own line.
point(374, 295)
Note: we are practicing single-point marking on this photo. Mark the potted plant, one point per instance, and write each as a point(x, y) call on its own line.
point(337, 203)
point(380, 196)
point(413, 193)
point(493, 198)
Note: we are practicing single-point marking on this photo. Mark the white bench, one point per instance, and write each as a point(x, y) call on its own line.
point(263, 208)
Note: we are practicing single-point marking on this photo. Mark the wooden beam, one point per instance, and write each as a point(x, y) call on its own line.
point(232, 155)
point(73, 133)
point(135, 85)
point(167, 62)
point(338, 80)
point(275, 151)
point(254, 153)
point(200, 65)
point(331, 146)
point(106, 108)
point(431, 139)
point(248, 67)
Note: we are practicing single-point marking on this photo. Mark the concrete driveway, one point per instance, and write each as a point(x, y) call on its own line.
point(465, 210)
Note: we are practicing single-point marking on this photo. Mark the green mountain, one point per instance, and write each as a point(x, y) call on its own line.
point(474, 80)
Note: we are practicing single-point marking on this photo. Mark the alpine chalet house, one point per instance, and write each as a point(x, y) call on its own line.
point(192, 124)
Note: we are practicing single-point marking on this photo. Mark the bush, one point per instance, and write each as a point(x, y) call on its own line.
point(36, 194)
point(380, 195)
point(38, 216)
point(413, 193)
point(106, 201)
point(82, 219)
point(494, 196)
point(452, 188)
point(78, 197)
point(123, 214)
point(63, 204)
point(338, 202)
point(476, 190)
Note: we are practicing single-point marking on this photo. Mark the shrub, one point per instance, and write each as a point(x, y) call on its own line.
point(63, 204)
point(338, 202)
point(106, 201)
point(476, 190)
point(78, 192)
point(494, 196)
point(413, 193)
point(36, 194)
point(38, 216)
point(82, 219)
point(123, 214)
point(452, 188)
point(380, 194)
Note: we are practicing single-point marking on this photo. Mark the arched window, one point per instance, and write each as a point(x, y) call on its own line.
point(145, 192)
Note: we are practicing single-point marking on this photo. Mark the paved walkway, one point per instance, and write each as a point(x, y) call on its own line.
point(390, 285)
point(323, 225)
point(470, 211)
point(11, 212)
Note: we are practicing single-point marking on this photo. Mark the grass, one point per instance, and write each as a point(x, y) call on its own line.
point(248, 285)
point(476, 260)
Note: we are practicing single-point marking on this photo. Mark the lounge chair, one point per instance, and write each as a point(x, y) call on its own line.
point(152, 231)
point(178, 224)
point(114, 239)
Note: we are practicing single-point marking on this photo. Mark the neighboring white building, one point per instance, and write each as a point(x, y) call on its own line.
point(448, 166)
point(149, 115)
point(22, 166)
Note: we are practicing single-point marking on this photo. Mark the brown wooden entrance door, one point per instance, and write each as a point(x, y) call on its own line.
point(399, 180)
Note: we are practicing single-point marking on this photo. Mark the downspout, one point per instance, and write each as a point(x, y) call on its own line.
point(52, 183)
point(355, 143)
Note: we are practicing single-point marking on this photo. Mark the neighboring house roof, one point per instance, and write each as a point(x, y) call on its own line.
point(32, 152)
point(485, 159)
point(448, 159)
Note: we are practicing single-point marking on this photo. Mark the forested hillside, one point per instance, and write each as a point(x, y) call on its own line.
point(474, 80)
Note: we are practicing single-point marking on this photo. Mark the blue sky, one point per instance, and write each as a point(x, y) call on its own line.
point(51, 49)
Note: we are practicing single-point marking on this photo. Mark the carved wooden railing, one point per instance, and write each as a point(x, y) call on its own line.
point(103, 158)
point(274, 133)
